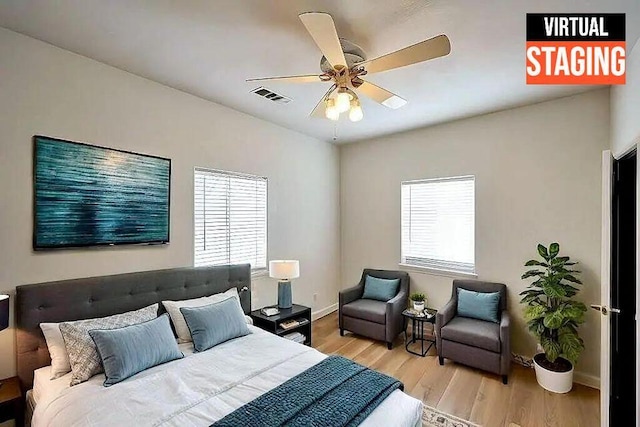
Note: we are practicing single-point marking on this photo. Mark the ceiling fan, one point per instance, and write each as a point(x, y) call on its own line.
point(344, 64)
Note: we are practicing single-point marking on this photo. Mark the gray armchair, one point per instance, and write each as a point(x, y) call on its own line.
point(379, 320)
point(477, 343)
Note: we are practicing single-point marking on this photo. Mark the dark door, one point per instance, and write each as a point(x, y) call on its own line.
point(623, 292)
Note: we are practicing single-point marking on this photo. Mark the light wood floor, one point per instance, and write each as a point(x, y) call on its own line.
point(465, 392)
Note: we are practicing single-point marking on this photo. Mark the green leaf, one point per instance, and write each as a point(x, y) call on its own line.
point(553, 290)
point(543, 252)
point(533, 312)
point(532, 273)
point(565, 271)
point(551, 348)
point(535, 262)
point(554, 319)
point(530, 298)
point(560, 260)
point(571, 278)
point(554, 248)
point(570, 290)
point(537, 283)
point(536, 327)
point(531, 292)
point(570, 343)
point(574, 311)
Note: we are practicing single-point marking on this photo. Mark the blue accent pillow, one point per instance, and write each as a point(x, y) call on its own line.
point(380, 289)
point(478, 305)
point(132, 349)
point(215, 323)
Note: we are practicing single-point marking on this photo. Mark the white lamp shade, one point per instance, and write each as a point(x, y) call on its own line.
point(284, 269)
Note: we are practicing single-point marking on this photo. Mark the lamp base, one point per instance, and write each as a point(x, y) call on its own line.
point(284, 294)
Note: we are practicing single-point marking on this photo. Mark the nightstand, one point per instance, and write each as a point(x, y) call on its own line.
point(11, 401)
point(272, 323)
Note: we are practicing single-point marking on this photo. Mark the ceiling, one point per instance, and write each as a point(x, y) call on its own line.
point(208, 48)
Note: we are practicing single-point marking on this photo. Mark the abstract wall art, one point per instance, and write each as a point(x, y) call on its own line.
point(85, 195)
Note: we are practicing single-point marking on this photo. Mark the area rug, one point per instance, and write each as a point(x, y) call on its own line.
point(432, 417)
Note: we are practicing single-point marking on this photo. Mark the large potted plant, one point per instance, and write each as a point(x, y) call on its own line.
point(553, 317)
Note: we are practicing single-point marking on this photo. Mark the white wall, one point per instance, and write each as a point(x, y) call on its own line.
point(538, 179)
point(625, 107)
point(49, 91)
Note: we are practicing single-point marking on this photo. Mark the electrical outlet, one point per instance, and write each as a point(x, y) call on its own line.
point(315, 297)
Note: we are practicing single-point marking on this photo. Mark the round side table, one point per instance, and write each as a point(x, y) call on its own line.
point(417, 324)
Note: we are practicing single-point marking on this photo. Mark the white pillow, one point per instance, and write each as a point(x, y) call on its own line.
point(60, 364)
point(173, 308)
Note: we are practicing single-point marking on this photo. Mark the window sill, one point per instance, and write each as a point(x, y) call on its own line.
point(438, 272)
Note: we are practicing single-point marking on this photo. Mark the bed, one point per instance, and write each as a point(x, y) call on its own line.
point(197, 390)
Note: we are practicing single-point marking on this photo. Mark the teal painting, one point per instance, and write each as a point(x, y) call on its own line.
point(85, 195)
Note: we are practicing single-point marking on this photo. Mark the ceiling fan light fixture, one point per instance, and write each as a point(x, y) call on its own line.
point(343, 100)
point(331, 111)
point(355, 113)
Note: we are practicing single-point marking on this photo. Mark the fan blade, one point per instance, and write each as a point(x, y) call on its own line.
point(318, 110)
point(307, 78)
point(423, 51)
point(382, 96)
point(323, 31)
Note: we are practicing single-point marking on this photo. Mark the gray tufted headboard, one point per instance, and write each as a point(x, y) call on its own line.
point(106, 295)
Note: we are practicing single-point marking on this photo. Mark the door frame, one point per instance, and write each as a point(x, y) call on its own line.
point(637, 147)
point(605, 286)
point(605, 291)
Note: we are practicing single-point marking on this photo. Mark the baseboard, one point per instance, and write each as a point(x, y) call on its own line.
point(578, 377)
point(323, 312)
point(586, 379)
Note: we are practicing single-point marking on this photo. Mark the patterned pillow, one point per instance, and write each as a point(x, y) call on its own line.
point(83, 355)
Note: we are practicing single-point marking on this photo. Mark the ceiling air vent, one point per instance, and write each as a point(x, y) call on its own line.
point(272, 96)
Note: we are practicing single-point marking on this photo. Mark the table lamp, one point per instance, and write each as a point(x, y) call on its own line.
point(4, 314)
point(284, 271)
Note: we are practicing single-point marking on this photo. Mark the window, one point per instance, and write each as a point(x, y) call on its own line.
point(230, 218)
point(438, 224)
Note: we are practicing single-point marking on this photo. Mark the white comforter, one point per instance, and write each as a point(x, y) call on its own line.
point(201, 389)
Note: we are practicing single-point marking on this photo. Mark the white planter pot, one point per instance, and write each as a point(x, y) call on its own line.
point(557, 382)
point(418, 305)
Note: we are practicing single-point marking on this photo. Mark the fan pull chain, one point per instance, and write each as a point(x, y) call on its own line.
point(335, 131)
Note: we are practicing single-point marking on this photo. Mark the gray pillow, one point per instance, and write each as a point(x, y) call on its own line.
point(132, 349)
point(215, 323)
point(83, 355)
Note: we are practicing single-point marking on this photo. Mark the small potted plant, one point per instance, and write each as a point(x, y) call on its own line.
point(418, 300)
point(553, 317)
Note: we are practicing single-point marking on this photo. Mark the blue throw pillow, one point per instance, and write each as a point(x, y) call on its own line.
point(478, 305)
point(215, 323)
point(132, 349)
point(380, 289)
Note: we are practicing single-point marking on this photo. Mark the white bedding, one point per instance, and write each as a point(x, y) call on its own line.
point(196, 390)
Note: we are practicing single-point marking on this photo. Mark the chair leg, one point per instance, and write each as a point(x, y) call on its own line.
point(341, 332)
point(441, 360)
point(505, 379)
point(389, 345)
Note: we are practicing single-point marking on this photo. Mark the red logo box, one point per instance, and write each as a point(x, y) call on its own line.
point(583, 49)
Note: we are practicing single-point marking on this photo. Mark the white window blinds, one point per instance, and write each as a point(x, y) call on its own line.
point(438, 224)
point(230, 218)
